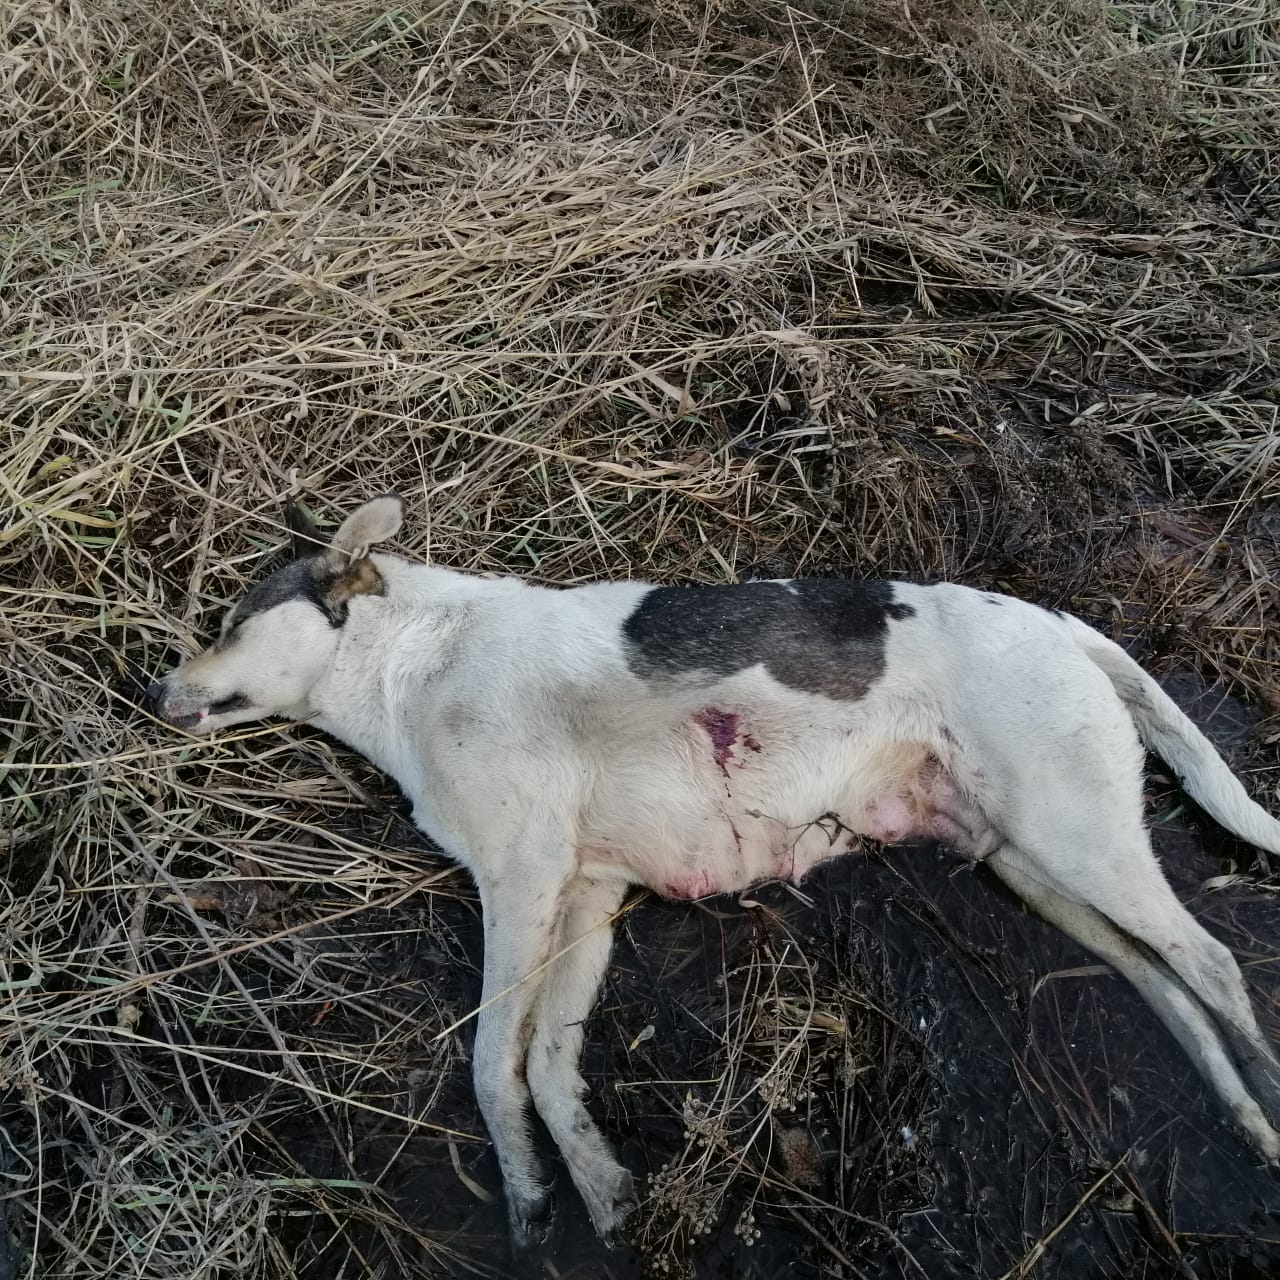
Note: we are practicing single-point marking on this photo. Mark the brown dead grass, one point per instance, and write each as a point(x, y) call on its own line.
point(984, 290)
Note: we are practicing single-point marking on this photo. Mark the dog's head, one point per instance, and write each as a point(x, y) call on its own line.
point(279, 640)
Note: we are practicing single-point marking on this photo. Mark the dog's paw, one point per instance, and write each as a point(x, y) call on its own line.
point(1267, 1140)
point(532, 1216)
point(610, 1200)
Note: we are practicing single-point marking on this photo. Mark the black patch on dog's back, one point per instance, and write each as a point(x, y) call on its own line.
point(822, 636)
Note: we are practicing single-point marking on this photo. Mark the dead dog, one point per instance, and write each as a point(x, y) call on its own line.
point(567, 744)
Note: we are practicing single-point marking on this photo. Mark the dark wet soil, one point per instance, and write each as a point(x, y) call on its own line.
point(979, 1087)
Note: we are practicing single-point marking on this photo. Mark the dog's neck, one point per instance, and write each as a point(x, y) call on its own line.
point(392, 647)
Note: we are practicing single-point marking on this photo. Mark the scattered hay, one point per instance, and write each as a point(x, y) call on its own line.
point(677, 290)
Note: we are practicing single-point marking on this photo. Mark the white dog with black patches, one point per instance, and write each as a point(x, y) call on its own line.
point(567, 744)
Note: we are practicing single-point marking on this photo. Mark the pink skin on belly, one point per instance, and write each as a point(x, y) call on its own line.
point(889, 819)
point(690, 885)
point(931, 808)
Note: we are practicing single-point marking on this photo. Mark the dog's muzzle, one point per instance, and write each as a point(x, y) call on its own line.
point(153, 702)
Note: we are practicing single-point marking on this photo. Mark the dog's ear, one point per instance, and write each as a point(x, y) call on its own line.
point(346, 566)
point(376, 521)
point(305, 536)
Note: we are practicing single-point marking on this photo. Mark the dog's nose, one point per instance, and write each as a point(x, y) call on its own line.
point(155, 691)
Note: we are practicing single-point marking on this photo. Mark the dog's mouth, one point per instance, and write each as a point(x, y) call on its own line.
point(199, 720)
point(224, 706)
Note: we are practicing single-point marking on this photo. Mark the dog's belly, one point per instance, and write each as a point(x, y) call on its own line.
point(739, 850)
point(723, 802)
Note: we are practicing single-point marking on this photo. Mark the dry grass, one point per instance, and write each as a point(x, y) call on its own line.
point(984, 290)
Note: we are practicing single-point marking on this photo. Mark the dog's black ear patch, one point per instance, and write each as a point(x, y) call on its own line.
point(296, 580)
point(311, 580)
point(306, 538)
point(822, 636)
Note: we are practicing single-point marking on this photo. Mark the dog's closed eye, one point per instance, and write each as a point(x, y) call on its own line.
point(236, 702)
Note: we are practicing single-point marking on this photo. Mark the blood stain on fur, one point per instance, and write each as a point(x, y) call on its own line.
point(722, 728)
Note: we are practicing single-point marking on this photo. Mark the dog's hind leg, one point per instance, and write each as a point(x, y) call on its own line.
point(1167, 995)
point(1138, 899)
point(1080, 828)
point(1062, 776)
point(559, 1091)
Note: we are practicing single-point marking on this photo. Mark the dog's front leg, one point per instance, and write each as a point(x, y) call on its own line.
point(522, 898)
point(559, 1091)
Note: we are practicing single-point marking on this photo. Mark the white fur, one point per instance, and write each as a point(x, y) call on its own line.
point(532, 753)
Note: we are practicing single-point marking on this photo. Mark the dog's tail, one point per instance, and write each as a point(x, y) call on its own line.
point(1167, 732)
